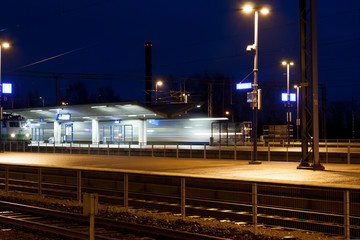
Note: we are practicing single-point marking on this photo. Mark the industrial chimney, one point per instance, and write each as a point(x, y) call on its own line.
point(148, 73)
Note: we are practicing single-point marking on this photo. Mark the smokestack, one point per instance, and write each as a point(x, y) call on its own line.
point(148, 73)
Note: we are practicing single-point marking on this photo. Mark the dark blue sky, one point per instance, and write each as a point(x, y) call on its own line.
point(192, 36)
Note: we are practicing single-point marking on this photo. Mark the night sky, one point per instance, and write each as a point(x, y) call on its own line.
point(197, 36)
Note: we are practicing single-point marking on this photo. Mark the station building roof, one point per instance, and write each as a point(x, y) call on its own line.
point(104, 111)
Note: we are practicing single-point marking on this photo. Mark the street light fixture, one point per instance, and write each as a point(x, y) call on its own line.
point(158, 83)
point(288, 115)
point(255, 101)
point(297, 111)
point(2, 45)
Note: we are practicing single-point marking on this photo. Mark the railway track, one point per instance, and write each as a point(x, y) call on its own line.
point(73, 225)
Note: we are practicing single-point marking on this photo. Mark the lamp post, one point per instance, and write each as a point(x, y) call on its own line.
point(3, 45)
point(297, 111)
point(158, 83)
point(288, 115)
point(255, 97)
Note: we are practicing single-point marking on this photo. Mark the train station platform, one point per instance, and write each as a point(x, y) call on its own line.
point(282, 172)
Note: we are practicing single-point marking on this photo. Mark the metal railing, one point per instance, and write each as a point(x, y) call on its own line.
point(328, 209)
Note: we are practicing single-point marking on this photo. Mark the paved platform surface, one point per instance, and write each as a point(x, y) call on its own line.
point(334, 174)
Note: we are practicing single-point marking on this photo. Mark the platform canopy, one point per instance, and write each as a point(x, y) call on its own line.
point(101, 111)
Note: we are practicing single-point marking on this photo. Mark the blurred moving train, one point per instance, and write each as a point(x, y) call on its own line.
point(158, 131)
point(15, 128)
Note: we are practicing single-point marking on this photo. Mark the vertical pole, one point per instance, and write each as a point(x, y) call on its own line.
point(255, 91)
point(126, 191)
point(235, 151)
point(92, 217)
point(288, 101)
point(327, 152)
point(269, 151)
point(38, 146)
point(164, 150)
point(108, 148)
point(129, 149)
point(152, 150)
point(297, 113)
point(347, 214)
point(7, 178)
point(79, 184)
point(23, 146)
point(88, 148)
point(220, 151)
point(39, 181)
point(314, 82)
point(254, 207)
point(183, 198)
point(348, 152)
point(177, 151)
point(54, 147)
point(70, 148)
point(204, 150)
point(287, 153)
point(190, 150)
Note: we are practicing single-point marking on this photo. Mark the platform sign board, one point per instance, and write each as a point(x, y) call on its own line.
point(63, 116)
point(292, 97)
point(6, 88)
point(241, 86)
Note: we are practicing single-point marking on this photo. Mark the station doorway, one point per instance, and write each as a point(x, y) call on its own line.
point(69, 133)
point(37, 134)
point(118, 134)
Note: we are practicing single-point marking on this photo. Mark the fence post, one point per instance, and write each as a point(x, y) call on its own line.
point(254, 207)
point(23, 146)
point(40, 181)
point(326, 152)
point(54, 147)
point(220, 151)
point(204, 150)
point(347, 214)
point(109, 148)
point(79, 184)
point(152, 150)
point(70, 148)
point(287, 152)
point(126, 191)
point(235, 151)
point(7, 178)
point(190, 150)
point(129, 149)
point(348, 153)
point(38, 146)
point(88, 148)
point(164, 150)
point(177, 150)
point(269, 151)
point(183, 197)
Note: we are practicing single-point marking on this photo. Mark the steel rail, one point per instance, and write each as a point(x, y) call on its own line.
point(151, 230)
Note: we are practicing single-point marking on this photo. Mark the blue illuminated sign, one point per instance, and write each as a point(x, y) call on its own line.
point(63, 116)
point(292, 97)
point(241, 86)
point(7, 88)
